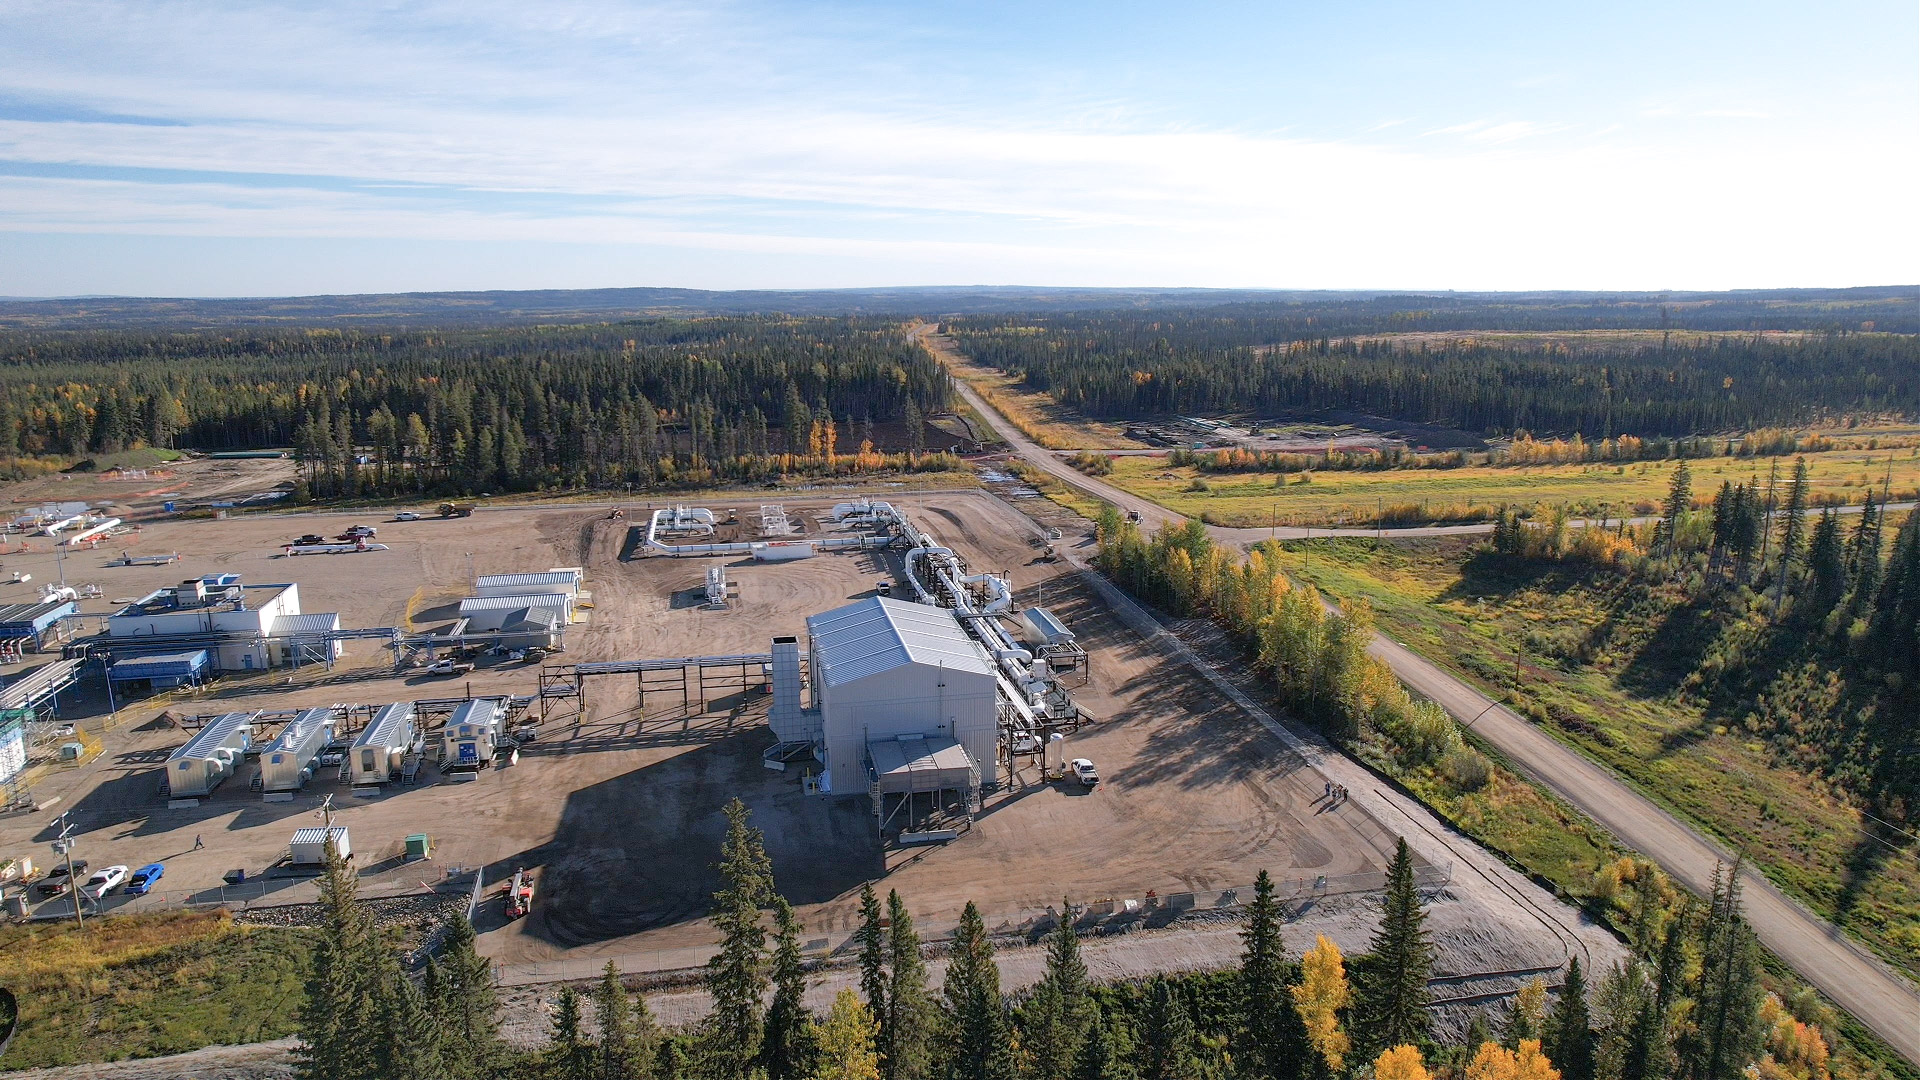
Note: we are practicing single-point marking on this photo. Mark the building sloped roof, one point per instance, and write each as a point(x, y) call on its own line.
point(313, 623)
point(880, 633)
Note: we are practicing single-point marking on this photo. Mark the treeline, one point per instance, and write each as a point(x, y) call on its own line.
point(1688, 1006)
point(1809, 624)
point(652, 401)
point(1523, 450)
point(1129, 365)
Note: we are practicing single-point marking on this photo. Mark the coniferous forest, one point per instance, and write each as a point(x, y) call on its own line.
point(1675, 384)
point(656, 401)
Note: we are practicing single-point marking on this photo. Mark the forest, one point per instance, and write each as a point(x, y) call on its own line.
point(1691, 1004)
point(655, 401)
point(1148, 364)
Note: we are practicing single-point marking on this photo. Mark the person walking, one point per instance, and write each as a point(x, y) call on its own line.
point(197, 843)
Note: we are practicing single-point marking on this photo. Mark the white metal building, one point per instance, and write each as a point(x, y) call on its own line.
point(288, 761)
point(381, 747)
point(468, 739)
point(508, 614)
point(211, 756)
point(560, 581)
point(236, 623)
point(309, 846)
point(882, 669)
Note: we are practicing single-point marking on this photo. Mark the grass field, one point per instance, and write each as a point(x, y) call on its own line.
point(1035, 414)
point(1254, 500)
point(1508, 627)
point(142, 985)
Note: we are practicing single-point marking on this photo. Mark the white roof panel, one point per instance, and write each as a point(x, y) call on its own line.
point(306, 624)
point(508, 603)
point(550, 577)
point(880, 634)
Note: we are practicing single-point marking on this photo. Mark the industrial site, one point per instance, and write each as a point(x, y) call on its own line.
point(544, 710)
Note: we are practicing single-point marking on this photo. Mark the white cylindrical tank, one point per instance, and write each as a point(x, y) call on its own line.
point(783, 550)
point(1056, 758)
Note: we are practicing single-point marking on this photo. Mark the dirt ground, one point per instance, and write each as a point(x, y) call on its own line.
point(618, 812)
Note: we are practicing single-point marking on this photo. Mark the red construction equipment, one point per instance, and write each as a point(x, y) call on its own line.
point(519, 894)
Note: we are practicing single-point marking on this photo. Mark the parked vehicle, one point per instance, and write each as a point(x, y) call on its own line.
point(1133, 517)
point(519, 895)
point(885, 588)
point(56, 883)
point(448, 509)
point(360, 532)
point(448, 667)
point(108, 879)
point(310, 538)
point(406, 515)
point(142, 880)
point(1084, 772)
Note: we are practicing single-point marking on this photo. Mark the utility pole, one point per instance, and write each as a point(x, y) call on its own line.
point(63, 847)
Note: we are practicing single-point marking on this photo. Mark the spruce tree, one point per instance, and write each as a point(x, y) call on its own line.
point(1644, 1054)
point(1679, 503)
point(1826, 561)
point(1272, 1038)
point(569, 1055)
point(1569, 1041)
point(1056, 1017)
point(787, 1049)
point(1793, 530)
point(625, 1049)
point(974, 1026)
point(1863, 555)
point(910, 1013)
point(1169, 1045)
point(413, 1033)
point(872, 937)
point(1108, 1052)
point(468, 1004)
point(341, 1005)
point(737, 974)
point(1390, 995)
point(1727, 1032)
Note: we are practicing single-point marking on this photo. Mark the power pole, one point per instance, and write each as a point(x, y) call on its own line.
point(63, 847)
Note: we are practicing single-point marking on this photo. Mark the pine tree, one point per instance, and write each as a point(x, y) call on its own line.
point(1793, 531)
point(1679, 503)
point(413, 1034)
point(1108, 1052)
point(1727, 1034)
point(1169, 1046)
point(1826, 561)
point(974, 1028)
point(1863, 555)
point(872, 937)
point(468, 1004)
point(570, 1055)
point(787, 1049)
point(1645, 1053)
point(1057, 1016)
point(736, 975)
point(341, 1006)
point(847, 1042)
point(1273, 1041)
point(1390, 999)
point(1569, 1042)
point(1895, 626)
point(910, 1013)
point(625, 1050)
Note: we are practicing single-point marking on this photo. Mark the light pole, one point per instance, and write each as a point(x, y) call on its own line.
point(63, 847)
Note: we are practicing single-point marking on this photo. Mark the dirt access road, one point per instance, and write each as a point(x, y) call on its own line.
point(1876, 995)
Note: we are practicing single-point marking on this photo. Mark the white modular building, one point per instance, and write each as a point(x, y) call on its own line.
point(243, 627)
point(467, 742)
point(380, 749)
point(309, 846)
point(289, 760)
point(534, 616)
point(212, 755)
point(560, 581)
point(884, 669)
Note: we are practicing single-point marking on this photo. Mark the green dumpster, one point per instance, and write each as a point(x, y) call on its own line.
point(419, 846)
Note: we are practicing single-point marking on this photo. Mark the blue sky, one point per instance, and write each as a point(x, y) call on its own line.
point(205, 149)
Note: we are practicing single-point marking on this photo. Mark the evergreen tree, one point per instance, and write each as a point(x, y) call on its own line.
point(872, 936)
point(1863, 555)
point(910, 1013)
point(1679, 504)
point(1826, 561)
point(1645, 1054)
point(1727, 1033)
point(787, 1049)
point(975, 1045)
point(625, 1050)
point(570, 1055)
point(1895, 626)
point(1390, 999)
point(1108, 1052)
point(1056, 1018)
point(1169, 1046)
point(1793, 530)
point(736, 975)
point(468, 1004)
point(1569, 1041)
point(341, 1005)
point(413, 1034)
point(1272, 1039)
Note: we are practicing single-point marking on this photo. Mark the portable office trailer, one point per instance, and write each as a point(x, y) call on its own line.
point(212, 755)
point(380, 748)
point(467, 742)
point(309, 847)
point(289, 760)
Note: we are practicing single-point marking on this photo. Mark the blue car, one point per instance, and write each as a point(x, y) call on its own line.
point(143, 879)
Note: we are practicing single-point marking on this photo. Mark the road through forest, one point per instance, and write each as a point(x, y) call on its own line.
point(1847, 973)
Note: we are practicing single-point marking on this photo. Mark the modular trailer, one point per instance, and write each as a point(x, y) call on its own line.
point(379, 751)
point(467, 741)
point(289, 760)
point(212, 755)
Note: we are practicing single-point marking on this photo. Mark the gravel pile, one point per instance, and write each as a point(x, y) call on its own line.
point(414, 913)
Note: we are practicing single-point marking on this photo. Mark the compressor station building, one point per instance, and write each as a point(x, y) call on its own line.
point(242, 627)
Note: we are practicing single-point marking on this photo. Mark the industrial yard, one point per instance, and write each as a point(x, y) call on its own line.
point(612, 806)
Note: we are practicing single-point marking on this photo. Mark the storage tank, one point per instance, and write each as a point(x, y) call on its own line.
point(288, 761)
point(210, 756)
point(377, 752)
point(1056, 757)
point(783, 550)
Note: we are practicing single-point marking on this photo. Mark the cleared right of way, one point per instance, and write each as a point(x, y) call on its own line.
point(1876, 995)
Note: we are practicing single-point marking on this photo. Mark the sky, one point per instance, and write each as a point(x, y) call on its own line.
point(211, 149)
